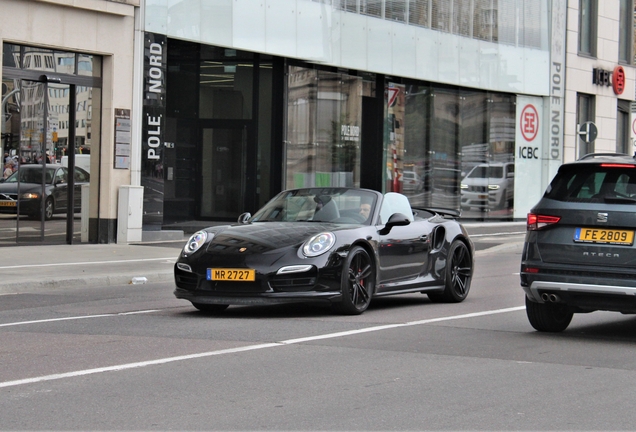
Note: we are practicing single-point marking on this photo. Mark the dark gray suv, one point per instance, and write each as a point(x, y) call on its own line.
point(579, 254)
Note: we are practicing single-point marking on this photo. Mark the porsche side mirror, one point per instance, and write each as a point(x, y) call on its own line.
point(244, 218)
point(396, 219)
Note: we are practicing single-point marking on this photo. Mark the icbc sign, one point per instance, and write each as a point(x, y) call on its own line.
point(529, 123)
point(615, 79)
point(618, 80)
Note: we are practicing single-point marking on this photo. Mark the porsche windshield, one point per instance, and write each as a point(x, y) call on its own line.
point(336, 205)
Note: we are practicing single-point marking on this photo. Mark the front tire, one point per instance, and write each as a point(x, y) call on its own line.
point(210, 308)
point(459, 272)
point(548, 317)
point(48, 209)
point(358, 282)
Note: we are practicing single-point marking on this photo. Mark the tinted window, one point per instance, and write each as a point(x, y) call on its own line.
point(81, 175)
point(593, 183)
point(31, 175)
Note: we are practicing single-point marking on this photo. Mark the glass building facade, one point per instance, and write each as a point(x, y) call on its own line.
point(413, 96)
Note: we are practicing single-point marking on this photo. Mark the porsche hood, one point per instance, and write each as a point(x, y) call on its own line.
point(264, 237)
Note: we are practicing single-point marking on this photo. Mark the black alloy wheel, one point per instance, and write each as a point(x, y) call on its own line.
point(459, 270)
point(210, 308)
point(358, 282)
point(548, 317)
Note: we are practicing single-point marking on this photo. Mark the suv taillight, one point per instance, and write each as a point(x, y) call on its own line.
point(537, 221)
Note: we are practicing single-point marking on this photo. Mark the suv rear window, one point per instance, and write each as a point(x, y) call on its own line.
point(594, 183)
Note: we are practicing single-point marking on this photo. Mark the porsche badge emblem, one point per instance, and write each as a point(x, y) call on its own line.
point(243, 249)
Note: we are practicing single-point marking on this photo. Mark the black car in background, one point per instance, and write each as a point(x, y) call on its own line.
point(579, 254)
point(29, 177)
point(342, 246)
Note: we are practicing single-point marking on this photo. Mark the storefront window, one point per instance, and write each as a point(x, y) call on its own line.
point(435, 136)
point(43, 121)
point(323, 128)
point(417, 174)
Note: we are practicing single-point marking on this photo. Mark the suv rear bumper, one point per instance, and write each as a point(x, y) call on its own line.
point(584, 297)
point(537, 288)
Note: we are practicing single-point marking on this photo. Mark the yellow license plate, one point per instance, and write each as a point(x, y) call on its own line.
point(598, 235)
point(230, 274)
point(7, 203)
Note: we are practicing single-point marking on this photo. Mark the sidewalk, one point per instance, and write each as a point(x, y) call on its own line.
point(36, 268)
point(30, 268)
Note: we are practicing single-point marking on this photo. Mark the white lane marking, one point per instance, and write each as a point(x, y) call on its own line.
point(247, 348)
point(406, 324)
point(173, 259)
point(77, 318)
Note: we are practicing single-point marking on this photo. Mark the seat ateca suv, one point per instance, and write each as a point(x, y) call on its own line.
point(579, 254)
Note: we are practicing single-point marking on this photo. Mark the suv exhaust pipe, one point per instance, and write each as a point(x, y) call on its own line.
point(550, 298)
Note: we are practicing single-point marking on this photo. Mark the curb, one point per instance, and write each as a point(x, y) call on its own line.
point(84, 282)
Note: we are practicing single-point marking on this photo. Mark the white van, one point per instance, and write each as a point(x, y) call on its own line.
point(81, 160)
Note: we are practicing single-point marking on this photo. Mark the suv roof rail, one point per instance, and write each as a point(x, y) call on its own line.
point(593, 155)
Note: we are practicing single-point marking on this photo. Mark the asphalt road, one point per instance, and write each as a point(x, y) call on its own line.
point(135, 358)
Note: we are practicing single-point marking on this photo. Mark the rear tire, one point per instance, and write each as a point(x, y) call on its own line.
point(210, 308)
point(548, 317)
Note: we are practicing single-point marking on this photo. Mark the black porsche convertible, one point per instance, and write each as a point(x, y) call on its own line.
point(339, 245)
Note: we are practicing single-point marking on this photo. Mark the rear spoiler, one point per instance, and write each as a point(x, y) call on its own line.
point(440, 211)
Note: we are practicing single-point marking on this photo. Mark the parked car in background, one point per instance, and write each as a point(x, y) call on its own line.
point(579, 251)
point(314, 245)
point(81, 160)
point(27, 181)
point(489, 186)
point(411, 182)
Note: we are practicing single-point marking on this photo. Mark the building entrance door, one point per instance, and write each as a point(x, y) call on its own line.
point(222, 192)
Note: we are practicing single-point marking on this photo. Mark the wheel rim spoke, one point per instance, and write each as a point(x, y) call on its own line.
point(460, 273)
point(359, 272)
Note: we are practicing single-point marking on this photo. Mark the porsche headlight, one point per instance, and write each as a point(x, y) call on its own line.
point(30, 195)
point(196, 241)
point(319, 244)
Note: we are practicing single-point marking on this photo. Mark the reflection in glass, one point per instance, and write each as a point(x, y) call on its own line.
point(11, 55)
point(226, 78)
point(446, 166)
point(446, 133)
point(323, 128)
point(40, 122)
point(487, 187)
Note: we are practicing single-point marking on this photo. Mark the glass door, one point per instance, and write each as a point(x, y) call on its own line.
point(30, 175)
point(223, 172)
point(37, 190)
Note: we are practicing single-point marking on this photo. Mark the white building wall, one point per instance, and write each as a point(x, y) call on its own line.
point(317, 32)
point(579, 78)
